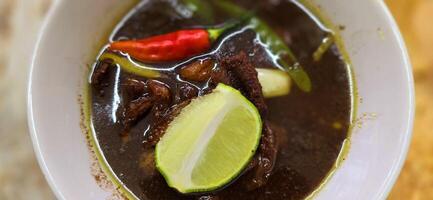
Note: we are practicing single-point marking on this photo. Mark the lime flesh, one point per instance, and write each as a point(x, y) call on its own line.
point(210, 142)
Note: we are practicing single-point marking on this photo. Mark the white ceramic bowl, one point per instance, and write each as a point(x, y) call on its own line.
point(71, 36)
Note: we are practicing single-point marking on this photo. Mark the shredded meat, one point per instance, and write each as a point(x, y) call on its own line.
point(159, 91)
point(238, 72)
point(134, 88)
point(157, 99)
point(225, 76)
point(135, 110)
point(265, 160)
point(100, 71)
point(247, 75)
point(199, 71)
point(185, 92)
point(163, 115)
point(154, 97)
point(161, 123)
point(161, 96)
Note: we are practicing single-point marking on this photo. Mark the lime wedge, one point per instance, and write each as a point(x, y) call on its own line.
point(274, 82)
point(210, 142)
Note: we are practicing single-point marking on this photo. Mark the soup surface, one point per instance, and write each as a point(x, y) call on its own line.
point(309, 127)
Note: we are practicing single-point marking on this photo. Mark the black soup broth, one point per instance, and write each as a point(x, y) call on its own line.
point(312, 127)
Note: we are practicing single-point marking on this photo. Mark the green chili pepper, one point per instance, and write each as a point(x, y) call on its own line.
point(324, 47)
point(274, 42)
point(130, 66)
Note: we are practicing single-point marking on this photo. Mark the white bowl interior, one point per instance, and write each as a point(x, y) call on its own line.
point(71, 37)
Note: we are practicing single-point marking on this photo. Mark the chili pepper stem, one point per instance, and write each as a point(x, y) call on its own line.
point(215, 33)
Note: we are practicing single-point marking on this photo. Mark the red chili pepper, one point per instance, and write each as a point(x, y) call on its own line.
point(169, 47)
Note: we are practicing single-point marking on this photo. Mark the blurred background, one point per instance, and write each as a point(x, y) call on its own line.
point(21, 178)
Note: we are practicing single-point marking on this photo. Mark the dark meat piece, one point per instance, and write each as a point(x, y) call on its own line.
point(160, 92)
point(247, 75)
point(135, 110)
point(238, 72)
point(161, 123)
point(199, 71)
point(100, 71)
point(161, 96)
point(134, 88)
point(265, 160)
point(186, 92)
point(163, 114)
point(223, 75)
point(158, 100)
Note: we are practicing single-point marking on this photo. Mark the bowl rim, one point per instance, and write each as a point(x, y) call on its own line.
point(400, 161)
point(389, 182)
point(30, 117)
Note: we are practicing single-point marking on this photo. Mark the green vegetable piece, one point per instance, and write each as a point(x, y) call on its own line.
point(323, 48)
point(275, 83)
point(273, 41)
point(299, 76)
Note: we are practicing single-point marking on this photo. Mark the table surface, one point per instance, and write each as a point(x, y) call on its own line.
point(20, 177)
point(415, 18)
